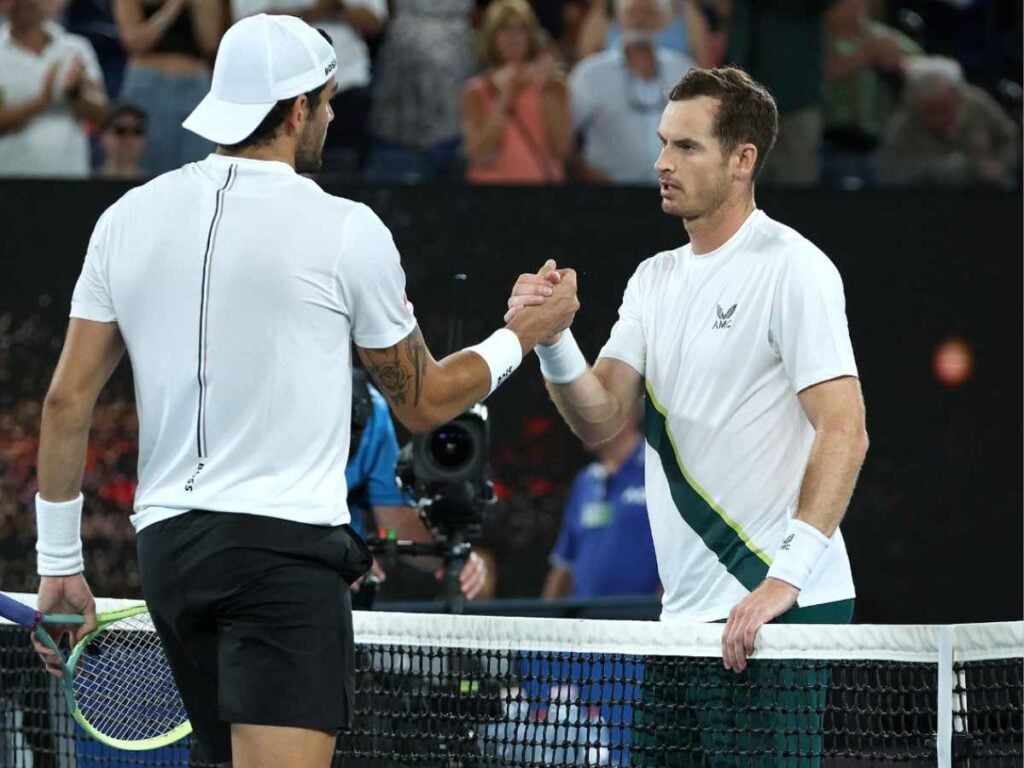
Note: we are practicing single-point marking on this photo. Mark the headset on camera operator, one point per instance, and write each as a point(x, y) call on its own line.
point(375, 499)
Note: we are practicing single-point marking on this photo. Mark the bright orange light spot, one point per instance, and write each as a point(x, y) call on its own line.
point(953, 362)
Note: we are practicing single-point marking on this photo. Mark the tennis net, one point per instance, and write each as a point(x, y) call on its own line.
point(439, 690)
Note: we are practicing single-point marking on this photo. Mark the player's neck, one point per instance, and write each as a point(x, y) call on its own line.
point(280, 151)
point(710, 232)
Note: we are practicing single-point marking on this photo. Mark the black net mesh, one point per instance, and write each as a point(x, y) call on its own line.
point(449, 706)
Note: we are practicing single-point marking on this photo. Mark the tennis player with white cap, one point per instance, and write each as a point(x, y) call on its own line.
point(237, 287)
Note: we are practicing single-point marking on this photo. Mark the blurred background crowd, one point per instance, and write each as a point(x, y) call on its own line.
point(871, 92)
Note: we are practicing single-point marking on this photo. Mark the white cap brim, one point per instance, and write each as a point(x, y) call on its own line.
point(224, 122)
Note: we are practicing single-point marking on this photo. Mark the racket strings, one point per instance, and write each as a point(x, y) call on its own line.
point(123, 684)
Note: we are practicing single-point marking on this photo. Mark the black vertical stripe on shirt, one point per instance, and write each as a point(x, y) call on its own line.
point(204, 312)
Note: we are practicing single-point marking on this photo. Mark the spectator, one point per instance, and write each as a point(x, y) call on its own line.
point(170, 43)
point(948, 132)
point(605, 547)
point(123, 141)
point(50, 83)
point(679, 25)
point(515, 116)
point(422, 65)
point(351, 26)
point(863, 72)
point(617, 99)
point(781, 43)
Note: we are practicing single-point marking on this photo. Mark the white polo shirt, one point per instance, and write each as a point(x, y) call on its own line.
point(725, 341)
point(239, 287)
point(52, 143)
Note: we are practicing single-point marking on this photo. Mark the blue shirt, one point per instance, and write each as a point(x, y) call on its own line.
point(606, 537)
point(370, 473)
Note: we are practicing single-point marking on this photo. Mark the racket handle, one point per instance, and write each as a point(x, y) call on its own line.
point(63, 618)
point(19, 613)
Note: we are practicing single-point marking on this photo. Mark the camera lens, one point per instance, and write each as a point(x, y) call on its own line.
point(451, 447)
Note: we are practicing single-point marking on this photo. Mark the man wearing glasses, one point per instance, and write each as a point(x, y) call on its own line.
point(617, 99)
point(123, 141)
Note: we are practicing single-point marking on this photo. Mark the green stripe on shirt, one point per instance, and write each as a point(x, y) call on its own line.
point(722, 535)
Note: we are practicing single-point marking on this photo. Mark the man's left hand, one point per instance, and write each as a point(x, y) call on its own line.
point(769, 601)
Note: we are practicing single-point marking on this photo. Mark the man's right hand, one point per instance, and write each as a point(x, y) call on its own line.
point(64, 594)
point(542, 305)
point(533, 290)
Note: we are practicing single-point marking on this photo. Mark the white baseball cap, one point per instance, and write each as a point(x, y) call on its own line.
point(261, 60)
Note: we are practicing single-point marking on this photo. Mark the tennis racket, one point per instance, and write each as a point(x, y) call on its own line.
point(117, 681)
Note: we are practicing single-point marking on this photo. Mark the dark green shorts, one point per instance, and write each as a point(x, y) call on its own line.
point(699, 714)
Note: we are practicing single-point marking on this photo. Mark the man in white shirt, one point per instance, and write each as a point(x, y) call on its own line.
point(617, 99)
point(50, 83)
point(237, 288)
point(755, 420)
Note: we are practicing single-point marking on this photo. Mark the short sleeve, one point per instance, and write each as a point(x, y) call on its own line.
point(372, 283)
point(91, 299)
point(808, 327)
point(627, 341)
point(381, 486)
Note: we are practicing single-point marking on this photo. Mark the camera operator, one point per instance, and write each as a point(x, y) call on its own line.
point(374, 497)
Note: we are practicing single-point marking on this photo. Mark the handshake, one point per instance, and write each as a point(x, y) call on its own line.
point(542, 305)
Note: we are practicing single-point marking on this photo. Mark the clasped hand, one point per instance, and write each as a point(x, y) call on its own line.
point(550, 295)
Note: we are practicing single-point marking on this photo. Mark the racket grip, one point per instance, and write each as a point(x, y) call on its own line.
point(19, 613)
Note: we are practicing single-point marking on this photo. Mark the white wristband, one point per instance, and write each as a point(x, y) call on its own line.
point(562, 362)
point(802, 548)
point(59, 543)
point(503, 352)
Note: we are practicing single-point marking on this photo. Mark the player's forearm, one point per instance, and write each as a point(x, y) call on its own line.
point(592, 412)
point(423, 392)
point(835, 461)
point(63, 443)
point(450, 386)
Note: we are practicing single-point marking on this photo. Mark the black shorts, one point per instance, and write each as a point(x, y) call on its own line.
point(255, 617)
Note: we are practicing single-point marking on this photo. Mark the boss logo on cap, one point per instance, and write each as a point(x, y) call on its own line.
point(330, 67)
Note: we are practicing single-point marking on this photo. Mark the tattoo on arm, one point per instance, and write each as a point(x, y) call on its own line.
point(399, 370)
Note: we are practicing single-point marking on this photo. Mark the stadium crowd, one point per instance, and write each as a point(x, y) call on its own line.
point(896, 92)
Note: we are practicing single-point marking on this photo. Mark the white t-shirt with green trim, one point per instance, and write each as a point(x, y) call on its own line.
point(725, 341)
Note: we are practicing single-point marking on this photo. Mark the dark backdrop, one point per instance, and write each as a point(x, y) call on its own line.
point(935, 529)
